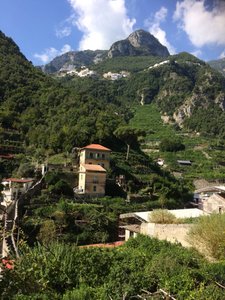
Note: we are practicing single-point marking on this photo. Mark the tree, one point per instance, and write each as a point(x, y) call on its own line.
point(129, 135)
point(47, 232)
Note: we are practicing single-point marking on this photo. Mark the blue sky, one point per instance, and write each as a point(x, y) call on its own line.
point(44, 29)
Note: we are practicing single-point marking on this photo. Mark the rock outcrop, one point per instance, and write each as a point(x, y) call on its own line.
point(138, 43)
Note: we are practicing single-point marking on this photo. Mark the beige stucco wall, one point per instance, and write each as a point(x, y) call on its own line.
point(81, 182)
point(90, 179)
point(213, 205)
point(99, 157)
point(95, 179)
point(129, 234)
point(175, 233)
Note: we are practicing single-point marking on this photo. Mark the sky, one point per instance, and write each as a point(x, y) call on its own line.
point(44, 29)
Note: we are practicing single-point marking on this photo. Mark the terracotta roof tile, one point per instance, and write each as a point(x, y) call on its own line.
point(96, 147)
point(107, 245)
point(90, 167)
point(18, 180)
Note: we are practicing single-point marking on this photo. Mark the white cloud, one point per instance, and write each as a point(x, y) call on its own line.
point(50, 53)
point(155, 29)
point(65, 48)
point(102, 22)
point(63, 32)
point(201, 25)
point(161, 15)
point(197, 53)
point(222, 55)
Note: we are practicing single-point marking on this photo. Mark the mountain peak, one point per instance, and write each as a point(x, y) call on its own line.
point(140, 42)
point(140, 37)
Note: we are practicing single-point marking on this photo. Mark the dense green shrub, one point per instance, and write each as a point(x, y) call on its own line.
point(171, 145)
point(60, 271)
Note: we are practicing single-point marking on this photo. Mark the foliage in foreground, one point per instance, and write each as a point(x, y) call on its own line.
point(209, 235)
point(61, 271)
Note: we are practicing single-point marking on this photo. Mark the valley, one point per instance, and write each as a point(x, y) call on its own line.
point(83, 157)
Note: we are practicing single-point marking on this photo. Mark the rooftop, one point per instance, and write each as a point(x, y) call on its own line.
point(22, 180)
point(184, 162)
point(96, 147)
point(107, 245)
point(132, 227)
point(96, 168)
point(7, 156)
point(178, 213)
point(218, 188)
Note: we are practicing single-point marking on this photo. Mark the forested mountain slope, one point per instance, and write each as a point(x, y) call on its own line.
point(48, 115)
point(57, 115)
point(187, 91)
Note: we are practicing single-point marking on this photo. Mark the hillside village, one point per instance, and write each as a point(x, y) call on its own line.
point(94, 161)
point(124, 160)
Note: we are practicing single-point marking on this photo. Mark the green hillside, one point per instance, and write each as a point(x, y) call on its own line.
point(57, 115)
point(207, 154)
point(218, 65)
point(48, 115)
point(53, 117)
point(43, 116)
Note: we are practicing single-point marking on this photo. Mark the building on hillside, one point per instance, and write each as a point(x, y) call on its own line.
point(211, 199)
point(94, 161)
point(132, 224)
point(95, 154)
point(92, 179)
point(184, 162)
point(13, 188)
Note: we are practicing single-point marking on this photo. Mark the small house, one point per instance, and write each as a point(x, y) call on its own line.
point(132, 224)
point(184, 162)
point(13, 188)
point(211, 199)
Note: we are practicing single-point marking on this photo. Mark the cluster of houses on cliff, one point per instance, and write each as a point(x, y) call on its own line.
point(86, 72)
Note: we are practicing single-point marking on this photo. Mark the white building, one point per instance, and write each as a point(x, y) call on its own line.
point(140, 223)
point(13, 188)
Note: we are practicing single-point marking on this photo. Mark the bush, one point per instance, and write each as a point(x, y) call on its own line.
point(209, 235)
point(170, 145)
point(162, 216)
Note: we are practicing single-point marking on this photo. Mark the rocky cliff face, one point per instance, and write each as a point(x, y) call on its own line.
point(74, 59)
point(139, 42)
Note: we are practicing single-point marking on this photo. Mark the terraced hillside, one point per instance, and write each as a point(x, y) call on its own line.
point(207, 156)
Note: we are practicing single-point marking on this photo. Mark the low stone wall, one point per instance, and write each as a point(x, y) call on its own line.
point(174, 233)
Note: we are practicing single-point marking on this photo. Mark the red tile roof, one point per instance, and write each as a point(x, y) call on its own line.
point(96, 147)
point(7, 156)
point(107, 245)
point(90, 167)
point(18, 180)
